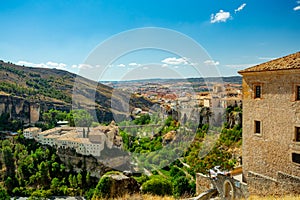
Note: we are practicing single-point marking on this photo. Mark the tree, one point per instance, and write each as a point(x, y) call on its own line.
point(44, 172)
point(9, 161)
point(74, 182)
point(181, 187)
point(157, 186)
point(88, 178)
point(70, 179)
point(79, 180)
point(51, 117)
point(142, 119)
point(81, 118)
point(3, 194)
point(55, 184)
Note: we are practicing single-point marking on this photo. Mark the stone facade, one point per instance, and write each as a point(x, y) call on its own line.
point(203, 183)
point(31, 133)
point(84, 140)
point(269, 123)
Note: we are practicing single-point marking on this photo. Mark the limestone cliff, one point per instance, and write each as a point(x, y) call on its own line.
point(25, 92)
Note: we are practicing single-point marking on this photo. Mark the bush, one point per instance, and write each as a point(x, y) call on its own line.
point(3, 194)
point(182, 187)
point(157, 186)
point(103, 188)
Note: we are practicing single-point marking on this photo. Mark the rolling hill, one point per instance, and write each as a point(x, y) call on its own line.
point(25, 92)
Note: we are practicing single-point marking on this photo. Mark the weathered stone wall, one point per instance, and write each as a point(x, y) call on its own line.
point(29, 112)
point(16, 107)
point(270, 152)
point(203, 183)
point(265, 186)
point(230, 188)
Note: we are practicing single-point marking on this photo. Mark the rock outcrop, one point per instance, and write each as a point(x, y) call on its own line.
point(116, 185)
point(25, 110)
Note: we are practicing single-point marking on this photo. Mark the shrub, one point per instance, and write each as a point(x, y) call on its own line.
point(157, 186)
point(182, 187)
point(3, 194)
point(103, 187)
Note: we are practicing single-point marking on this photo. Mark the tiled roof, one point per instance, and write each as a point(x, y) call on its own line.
point(291, 61)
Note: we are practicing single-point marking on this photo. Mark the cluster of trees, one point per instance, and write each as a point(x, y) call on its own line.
point(14, 89)
point(37, 86)
point(80, 118)
point(229, 138)
point(7, 124)
point(13, 70)
point(45, 87)
point(32, 170)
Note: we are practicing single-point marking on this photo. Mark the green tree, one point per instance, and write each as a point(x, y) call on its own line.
point(55, 184)
point(142, 119)
point(79, 179)
point(157, 186)
point(181, 187)
point(8, 161)
point(74, 182)
point(81, 118)
point(44, 172)
point(3, 194)
point(103, 187)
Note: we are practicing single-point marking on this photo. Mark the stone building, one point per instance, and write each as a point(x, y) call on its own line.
point(271, 126)
point(32, 132)
point(84, 140)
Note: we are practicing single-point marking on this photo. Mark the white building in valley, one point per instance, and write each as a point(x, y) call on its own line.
point(86, 141)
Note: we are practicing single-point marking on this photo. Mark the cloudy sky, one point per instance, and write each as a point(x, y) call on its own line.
point(62, 34)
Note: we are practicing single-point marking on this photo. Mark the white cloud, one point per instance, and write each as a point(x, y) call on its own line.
point(121, 65)
point(211, 62)
point(240, 8)
point(164, 65)
point(221, 16)
point(134, 64)
point(43, 65)
point(297, 8)
point(175, 61)
point(267, 58)
point(236, 66)
point(82, 66)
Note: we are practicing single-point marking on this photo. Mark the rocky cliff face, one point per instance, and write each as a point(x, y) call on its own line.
point(25, 92)
point(78, 162)
point(26, 111)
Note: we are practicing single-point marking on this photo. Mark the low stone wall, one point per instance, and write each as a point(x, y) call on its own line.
point(230, 188)
point(263, 185)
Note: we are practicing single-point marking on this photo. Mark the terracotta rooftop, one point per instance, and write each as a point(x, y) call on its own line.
point(291, 61)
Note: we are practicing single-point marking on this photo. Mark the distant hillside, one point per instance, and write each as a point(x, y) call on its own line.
point(26, 91)
point(229, 79)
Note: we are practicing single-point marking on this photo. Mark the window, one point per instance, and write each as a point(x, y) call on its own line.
point(297, 134)
point(297, 93)
point(257, 91)
point(257, 127)
point(296, 158)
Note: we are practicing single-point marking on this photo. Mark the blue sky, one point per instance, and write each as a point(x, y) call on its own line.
point(236, 34)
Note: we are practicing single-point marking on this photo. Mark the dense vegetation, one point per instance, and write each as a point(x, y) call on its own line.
point(180, 174)
point(34, 86)
point(28, 169)
point(79, 117)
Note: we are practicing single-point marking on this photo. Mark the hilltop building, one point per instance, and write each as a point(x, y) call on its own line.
point(271, 126)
